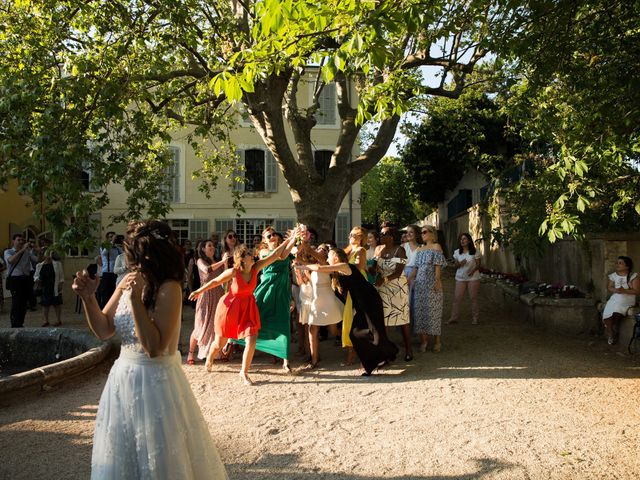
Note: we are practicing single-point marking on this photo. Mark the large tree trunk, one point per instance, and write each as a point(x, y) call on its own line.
point(318, 209)
point(317, 200)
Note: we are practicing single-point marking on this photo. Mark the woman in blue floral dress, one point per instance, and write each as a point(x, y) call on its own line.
point(427, 290)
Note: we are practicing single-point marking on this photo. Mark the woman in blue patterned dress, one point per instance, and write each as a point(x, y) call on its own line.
point(427, 290)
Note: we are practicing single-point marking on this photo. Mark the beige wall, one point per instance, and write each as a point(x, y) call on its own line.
point(195, 205)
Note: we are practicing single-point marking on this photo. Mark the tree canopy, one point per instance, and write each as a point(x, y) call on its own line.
point(574, 66)
point(387, 195)
point(567, 101)
point(100, 86)
point(455, 136)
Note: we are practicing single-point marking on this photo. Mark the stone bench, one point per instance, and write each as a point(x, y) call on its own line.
point(566, 315)
point(625, 328)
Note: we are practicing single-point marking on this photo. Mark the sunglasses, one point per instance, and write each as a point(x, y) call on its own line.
point(424, 232)
point(231, 235)
point(269, 235)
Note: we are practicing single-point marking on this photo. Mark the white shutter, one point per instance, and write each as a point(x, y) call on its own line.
point(270, 173)
point(175, 186)
point(239, 172)
point(342, 230)
point(328, 105)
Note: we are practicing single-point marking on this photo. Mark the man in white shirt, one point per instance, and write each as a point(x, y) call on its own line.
point(108, 253)
point(19, 260)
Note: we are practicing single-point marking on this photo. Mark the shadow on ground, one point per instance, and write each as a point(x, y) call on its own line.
point(289, 468)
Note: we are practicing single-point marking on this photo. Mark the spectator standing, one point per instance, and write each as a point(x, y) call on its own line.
point(108, 254)
point(372, 261)
point(215, 238)
point(121, 268)
point(393, 287)
point(467, 262)
point(49, 277)
point(427, 290)
point(3, 269)
point(19, 259)
point(208, 268)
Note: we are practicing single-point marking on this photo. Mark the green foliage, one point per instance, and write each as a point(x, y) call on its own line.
point(386, 195)
point(101, 86)
point(456, 135)
point(580, 91)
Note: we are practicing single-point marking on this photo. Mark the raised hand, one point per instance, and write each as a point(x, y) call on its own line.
point(84, 285)
point(134, 282)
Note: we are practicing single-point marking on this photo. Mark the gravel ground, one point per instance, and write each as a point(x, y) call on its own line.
point(501, 401)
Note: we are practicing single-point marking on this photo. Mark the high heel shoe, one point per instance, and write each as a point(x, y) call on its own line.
point(408, 358)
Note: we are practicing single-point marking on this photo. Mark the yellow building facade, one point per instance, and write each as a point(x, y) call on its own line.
point(265, 195)
point(18, 215)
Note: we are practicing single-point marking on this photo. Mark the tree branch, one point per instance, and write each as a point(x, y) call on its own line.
point(365, 162)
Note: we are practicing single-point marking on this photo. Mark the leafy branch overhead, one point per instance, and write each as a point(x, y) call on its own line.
point(102, 86)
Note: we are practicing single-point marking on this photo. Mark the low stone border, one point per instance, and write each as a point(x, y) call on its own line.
point(566, 315)
point(95, 352)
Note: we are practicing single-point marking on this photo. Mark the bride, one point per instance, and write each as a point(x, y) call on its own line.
point(149, 425)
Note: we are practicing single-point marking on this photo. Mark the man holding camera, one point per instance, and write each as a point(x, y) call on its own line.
point(19, 259)
point(108, 253)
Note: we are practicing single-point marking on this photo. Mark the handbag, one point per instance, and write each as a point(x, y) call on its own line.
point(10, 282)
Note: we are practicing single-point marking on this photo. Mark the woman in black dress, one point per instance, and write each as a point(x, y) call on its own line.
point(49, 277)
point(367, 330)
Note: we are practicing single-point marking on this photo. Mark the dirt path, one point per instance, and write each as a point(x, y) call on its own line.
point(502, 400)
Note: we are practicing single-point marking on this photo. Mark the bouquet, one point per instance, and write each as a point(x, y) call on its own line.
point(302, 234)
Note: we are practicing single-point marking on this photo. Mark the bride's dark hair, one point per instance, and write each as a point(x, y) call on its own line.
point(151, 247)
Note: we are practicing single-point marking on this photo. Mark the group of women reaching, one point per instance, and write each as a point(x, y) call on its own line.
point(401, 287)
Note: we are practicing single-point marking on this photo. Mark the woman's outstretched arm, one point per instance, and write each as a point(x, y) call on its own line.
point(221, 279)
point(338, 267)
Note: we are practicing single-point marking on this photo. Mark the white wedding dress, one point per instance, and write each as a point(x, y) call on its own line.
point(149, 425)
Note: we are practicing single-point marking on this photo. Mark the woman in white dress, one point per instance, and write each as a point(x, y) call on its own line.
point(326, 309)
point(148, 425)
point(624, 287)
point(467, 262)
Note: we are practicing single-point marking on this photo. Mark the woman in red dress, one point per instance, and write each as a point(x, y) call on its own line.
point(237, 314)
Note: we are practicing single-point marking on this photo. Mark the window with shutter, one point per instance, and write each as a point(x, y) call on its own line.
point(322, 160)
point(327, 113)
point(171, 190)
point(254, 170)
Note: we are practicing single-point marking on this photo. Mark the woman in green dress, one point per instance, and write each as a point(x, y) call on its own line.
point(273, 296)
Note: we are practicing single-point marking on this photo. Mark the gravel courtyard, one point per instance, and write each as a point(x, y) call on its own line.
point(502, 400)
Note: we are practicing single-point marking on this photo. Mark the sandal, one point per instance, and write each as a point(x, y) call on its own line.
point(436, 348)
point(190, 359)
